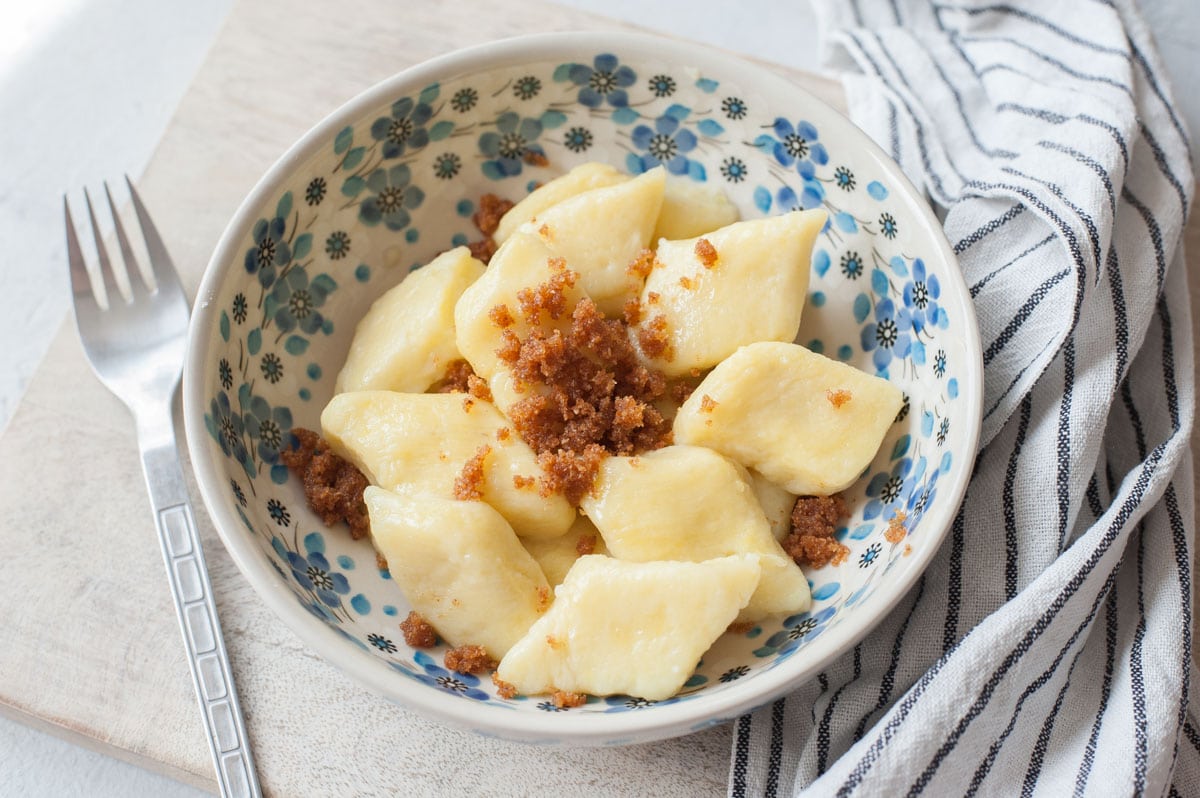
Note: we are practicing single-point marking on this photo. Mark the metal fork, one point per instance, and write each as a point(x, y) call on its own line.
point(134, 340)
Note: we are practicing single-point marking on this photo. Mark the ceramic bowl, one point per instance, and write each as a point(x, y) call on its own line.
point(393, 177)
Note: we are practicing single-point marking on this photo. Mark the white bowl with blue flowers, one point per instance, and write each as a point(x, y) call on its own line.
point(393, 177)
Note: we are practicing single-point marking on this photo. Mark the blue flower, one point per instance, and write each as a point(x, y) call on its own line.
point(508, 146)
point(797, 144)
point(887, 225)
point(869, 556)
point(892, 488)
point(844, 178)
point(404, 129)
point(227, 428)
point(392, 197)
point(269, 427)
point(270, 249)
point(382, 643)
point(889, 336)
point(604, 81)
point(921, 295)
point(939, 364)
point(625, 703)
point(314, 572)
point(295, 302)
point(797, 629)
point(667, 143)
point(434, 675)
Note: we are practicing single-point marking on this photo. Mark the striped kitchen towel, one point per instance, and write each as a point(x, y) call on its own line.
point(1047, 650)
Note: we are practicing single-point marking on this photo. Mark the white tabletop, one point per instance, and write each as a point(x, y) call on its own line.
point(87, 88)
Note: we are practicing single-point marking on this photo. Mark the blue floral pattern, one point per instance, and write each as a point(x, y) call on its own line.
point(393, 188)
point(605, 81)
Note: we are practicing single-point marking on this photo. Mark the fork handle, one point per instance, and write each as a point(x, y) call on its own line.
point(192, 592)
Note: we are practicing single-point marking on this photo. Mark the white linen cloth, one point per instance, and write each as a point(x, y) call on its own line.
point(1047, 649)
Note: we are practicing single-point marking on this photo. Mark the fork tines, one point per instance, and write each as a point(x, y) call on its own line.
point(108, 279)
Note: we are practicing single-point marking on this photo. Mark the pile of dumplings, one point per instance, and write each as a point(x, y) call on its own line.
point(687, 537)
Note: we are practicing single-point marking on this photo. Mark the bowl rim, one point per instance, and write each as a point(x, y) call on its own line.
point(566, 728)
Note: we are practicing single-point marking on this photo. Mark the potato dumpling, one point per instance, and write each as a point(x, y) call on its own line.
point(460, 566)
point(743, 283)
point(523, 262)
point(421, 442)
point(805, 422)
point(406, 339)
point(632, 628)
point(557, 555)
point(600, 232)
point(584, 177)
point(776, 503)
point(690, 503)
point(692, 209)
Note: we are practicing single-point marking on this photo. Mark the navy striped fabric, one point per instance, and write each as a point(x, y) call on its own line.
point(1047, 649)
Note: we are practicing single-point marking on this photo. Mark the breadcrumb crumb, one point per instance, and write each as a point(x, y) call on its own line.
point(456, 379)
point(814, 521)
point(491, 209)
point(896, 530)
point(585, 545)
point(522, 482)
point(468, 484)
point(503, 688)
point(418, 633)
point(469, 659)
point(654, 339)
point(501, 316)
point(706, 253)
point(837, 398)
point(707, 404)
point(642, 264)
point(564, 700)
point(333, 486)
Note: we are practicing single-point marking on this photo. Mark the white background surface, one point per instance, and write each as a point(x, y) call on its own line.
point(87, 88)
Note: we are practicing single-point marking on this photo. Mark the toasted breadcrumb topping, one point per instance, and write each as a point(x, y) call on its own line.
point(501, 316)
point(688, 283)
point(503, 434)
point(585, 545)
point(632, 311)
point(564, 700)
point(549, 297)
point(642, 264)
point(814, 522)
point(740, 627)
point(707, 404)
point(418, 633)
point(522, 482)
point(380, 560)
point(503, 688)
point(706, 253)
point(469, 659)
point(535, 158)
point(491, 210)
point(654, 339)
point(588, 394)
point(456, 378)
point(468, 485)
point(478, 387)
point(837, 398)
point(333, 486)
point(483, 249)
point(896, 530)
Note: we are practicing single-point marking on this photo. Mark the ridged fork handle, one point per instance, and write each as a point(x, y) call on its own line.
point(197, 612)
